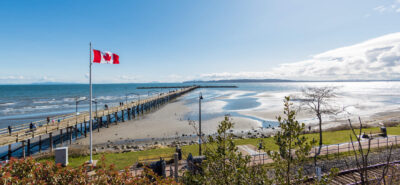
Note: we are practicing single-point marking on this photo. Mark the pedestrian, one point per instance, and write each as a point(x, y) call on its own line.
point(9, 129)
point(48, 120)
point(31, 126)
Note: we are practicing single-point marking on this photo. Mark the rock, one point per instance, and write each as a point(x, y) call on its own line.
point(123, 147)
point(108, 146)
point(125, 151)
point(116, 147)
point(157, 146)
point(102, 148)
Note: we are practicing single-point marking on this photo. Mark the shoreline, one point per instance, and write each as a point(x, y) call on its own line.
point(166, 126)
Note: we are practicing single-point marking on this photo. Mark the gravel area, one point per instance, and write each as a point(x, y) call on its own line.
point(343, 163)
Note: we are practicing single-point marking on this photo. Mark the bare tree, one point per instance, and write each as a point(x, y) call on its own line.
point(318, 100)
point(361, 155)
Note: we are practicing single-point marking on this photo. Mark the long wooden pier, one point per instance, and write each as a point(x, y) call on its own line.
point(75, 125)
point(177, 87)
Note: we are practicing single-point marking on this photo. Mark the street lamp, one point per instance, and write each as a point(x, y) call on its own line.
point(95, 102)
point(200, 98)
point(126, 96)
point(76, 107)
point(148, 92)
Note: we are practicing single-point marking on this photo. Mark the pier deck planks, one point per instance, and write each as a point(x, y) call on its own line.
point(72, 120)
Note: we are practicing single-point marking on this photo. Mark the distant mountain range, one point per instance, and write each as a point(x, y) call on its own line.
point(276, 80)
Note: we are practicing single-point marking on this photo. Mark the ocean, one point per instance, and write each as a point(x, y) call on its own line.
point(26, 103)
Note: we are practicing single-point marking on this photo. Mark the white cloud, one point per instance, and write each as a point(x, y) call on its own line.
point(393, 7)
point(19, 79)
point(377, 58)
point(47, 79)
point(12, 77)
point(380, 8)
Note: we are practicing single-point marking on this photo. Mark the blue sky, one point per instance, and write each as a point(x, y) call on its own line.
point(178, 40)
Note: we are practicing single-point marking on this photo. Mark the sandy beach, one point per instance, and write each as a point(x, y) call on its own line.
point(166, 122)
point(169, 122)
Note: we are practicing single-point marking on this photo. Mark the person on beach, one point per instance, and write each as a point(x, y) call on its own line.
point(48, 120)
point(32, 126)
point(9, 129)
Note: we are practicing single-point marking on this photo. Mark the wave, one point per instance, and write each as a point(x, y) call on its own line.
point(32, 108)
point(6, 104)
point(74, 99)
point(108, 98)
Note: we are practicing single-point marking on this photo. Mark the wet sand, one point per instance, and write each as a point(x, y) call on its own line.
point(166, 122)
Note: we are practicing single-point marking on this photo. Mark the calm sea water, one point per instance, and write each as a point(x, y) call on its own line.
point(26, 103)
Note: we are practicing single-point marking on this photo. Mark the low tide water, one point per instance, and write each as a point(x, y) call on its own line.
point(25, 103)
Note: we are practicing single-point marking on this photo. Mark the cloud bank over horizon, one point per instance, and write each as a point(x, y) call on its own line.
point(374, 59)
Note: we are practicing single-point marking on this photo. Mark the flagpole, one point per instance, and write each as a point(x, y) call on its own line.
point(90, 100)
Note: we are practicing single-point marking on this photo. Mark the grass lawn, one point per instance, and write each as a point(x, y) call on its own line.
point(122, 160)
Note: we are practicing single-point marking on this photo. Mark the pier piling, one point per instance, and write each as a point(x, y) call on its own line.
point(23, 149)
point(40, 144)
point(70, 122)
point(51, 141)
point(61, 136)
point(70, 135)
point(29, 147)
point(9, 152)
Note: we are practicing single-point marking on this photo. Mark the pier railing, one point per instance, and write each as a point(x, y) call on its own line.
point(23, 132)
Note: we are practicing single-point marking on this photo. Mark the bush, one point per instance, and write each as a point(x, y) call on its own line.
point(224, 164)
point(28, 171)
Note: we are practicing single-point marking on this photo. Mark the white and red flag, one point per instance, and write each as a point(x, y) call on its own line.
point(105, 57)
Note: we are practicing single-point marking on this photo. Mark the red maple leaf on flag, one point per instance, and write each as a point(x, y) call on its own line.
point(107, 57)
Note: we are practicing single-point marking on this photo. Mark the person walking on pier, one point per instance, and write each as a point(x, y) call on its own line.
point(32, 126)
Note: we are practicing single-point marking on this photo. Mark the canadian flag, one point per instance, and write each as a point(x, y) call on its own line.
point(105, 57)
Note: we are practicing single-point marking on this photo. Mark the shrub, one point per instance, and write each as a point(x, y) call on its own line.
point(28, 171)
point(224, 164)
